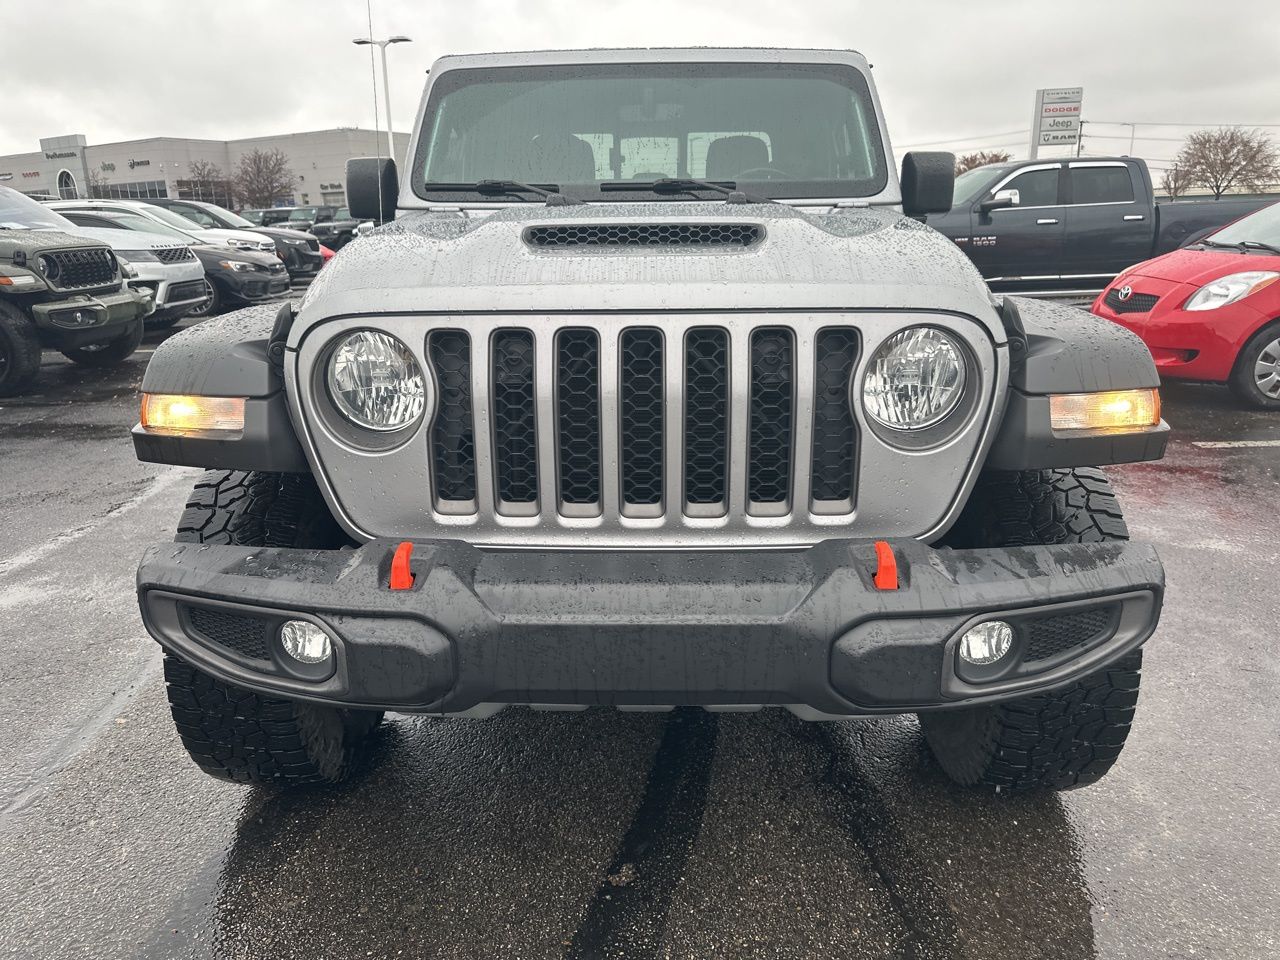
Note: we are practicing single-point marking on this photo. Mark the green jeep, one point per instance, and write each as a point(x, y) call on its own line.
point(59, 291)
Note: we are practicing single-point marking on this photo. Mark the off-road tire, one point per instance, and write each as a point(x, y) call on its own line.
point(1064, 738)
point(230, 732)
point(108, 354)
point(1242, 381)
point(19, 351)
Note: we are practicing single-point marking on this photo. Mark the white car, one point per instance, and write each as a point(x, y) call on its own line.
point(154, 262)
point(238, 239)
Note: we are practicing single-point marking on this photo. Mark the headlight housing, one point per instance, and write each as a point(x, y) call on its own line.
point(237, 244)
point(237, 265)
point(915, 379)
point(375, 381)
point(1229, 289)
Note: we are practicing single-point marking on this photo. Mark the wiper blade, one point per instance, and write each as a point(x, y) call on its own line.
point(1222, 246)
point(498, 187)
point(687, 185)
point(1259, 245)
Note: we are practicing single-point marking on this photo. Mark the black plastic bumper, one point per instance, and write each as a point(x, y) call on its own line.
point(803, 628)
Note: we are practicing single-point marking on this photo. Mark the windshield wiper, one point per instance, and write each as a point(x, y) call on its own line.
point(1259, 245)
point(1222, 246)
point(499, 187)
point(687, 185)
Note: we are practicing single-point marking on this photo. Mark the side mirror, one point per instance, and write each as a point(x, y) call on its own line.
point(928, 182)
point(372, 188)
point(1001, 200)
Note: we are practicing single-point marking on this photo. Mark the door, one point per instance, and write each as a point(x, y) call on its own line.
point(1108, 227)
point(1023, 240)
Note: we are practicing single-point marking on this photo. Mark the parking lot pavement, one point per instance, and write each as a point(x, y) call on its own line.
point(603, 834)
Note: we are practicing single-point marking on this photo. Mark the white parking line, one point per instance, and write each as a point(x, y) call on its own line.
point(1232, 444)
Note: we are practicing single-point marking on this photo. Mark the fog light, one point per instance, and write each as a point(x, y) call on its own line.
point(305, 642)
point(986, 643)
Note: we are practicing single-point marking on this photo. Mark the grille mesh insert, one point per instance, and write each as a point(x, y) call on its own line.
point(706, 416)
point(174, 254)
point(514, 433)
point(642, 411)
point(237, 632)
point(578, 415)
point(453, 449)
point(1137, 303)
point(644, 235)
point(772, 416)
point(835, 434)
point(1052, 635)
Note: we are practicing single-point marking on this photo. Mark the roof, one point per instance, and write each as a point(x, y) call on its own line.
point(650, 55)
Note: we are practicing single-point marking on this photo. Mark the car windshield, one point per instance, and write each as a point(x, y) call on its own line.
point(1261, 226)
point(342, 214)
point(134, 221)
point(171, 218)
point(970, 183)
point(253, 217)
point(778, 130)
point(304, 213)
point(19, 212)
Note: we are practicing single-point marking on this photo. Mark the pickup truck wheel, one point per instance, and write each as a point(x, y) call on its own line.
point(232, 733)
point(19, 351)
point(1068, 737)
point(1255, 380)
point(107, 354)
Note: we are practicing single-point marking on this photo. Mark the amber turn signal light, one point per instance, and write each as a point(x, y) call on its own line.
point(1113, 411)
point(180, 415)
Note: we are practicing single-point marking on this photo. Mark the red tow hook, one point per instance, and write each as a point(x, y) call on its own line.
point(886, 577)
point(401, 575)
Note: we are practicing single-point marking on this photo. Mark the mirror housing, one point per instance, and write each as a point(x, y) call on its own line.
point(1001, 200)
point(928, 182)
point(372, 188)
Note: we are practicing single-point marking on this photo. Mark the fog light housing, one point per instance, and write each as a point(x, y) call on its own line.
point(180, 415)
point(305, 642)
point(986, 643)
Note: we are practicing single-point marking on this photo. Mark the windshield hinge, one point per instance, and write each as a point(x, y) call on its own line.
point(1012, 320)
point(279, 335)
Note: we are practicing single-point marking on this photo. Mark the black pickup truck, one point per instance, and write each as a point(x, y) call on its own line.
point(1071, 224)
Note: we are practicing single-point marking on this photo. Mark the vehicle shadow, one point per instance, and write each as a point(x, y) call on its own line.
point(679, 835)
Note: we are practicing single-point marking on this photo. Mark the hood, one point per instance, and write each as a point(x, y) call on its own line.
point(129, 239)
point(218, 234)
point(1199, 267)
point(282, 232)
point(213, 252)
point(859, 258)
point(30, 242)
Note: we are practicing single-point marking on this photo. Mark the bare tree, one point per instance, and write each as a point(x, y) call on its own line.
point(1174, 182)
point(263, 177)
point(98, 183)
point(981, 159)
point(1228, 158)
point(207, 179)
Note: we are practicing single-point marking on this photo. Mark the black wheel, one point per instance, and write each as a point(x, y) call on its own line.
point(212, 305)
point(19, 351)
point(232, 733)
point(1255, 380)
point(107, 354)
point(164, 323)
point(1068, 737)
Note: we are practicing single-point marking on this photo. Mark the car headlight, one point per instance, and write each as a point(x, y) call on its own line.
point(915, 379)
point(375, 382)
point(138, 256)
point(1227, 290)
point(238, 266)
point(237, 244)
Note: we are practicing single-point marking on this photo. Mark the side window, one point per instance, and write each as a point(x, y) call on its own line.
point(1101, 185)
point(1036, 188)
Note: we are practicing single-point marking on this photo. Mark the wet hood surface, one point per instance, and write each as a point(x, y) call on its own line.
point(856, 259)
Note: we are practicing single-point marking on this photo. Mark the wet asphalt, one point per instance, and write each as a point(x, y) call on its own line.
point(607, 834)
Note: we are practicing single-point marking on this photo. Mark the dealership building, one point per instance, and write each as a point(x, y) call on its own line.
point(71, 167)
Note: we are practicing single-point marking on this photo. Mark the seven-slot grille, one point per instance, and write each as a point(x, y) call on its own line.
point(79, 269)
point(641, 422)
point(174, 254)
point(644, 235)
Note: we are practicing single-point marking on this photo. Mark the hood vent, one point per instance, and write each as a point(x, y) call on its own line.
point(739, 235)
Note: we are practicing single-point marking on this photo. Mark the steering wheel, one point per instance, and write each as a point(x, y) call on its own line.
point(767, 174)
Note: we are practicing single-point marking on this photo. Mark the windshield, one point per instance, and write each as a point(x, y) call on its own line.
point(1261, 226)
point(173, 219)
point(227, 217)
point(971, 182)
point(134, 221)
point(342, 214)
point(779, 130)
point(304, 213)
point(19, 212)
point(253, 216)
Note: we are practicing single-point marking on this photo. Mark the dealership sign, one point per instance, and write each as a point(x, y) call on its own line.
point(1055, 121)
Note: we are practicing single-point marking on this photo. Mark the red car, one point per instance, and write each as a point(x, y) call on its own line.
point(1211, 311)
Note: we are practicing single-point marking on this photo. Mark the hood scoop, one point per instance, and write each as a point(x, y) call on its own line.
point(571, 235)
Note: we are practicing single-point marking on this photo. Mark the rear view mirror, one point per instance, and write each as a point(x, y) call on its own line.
point(928, 182)
point(372, 188)
point(1001, 200)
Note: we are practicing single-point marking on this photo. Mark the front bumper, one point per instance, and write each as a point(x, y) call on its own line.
point(302, 261)
point(84, 319)
point(805, 628)
point(253, 287)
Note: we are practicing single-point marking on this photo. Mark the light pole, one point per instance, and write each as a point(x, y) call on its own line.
point(386, 83)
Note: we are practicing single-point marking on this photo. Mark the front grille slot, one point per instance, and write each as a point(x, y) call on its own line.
point(706, 420)
point(578, 417)
point(242, 634)
point(643, 420)
point(453, 460)
point(728, 235)
point(1055, 634)
point(514, 420)
point(79, 269)
point(835, 434)
point(1137, 302)
point(772, 416)
point(174, 254)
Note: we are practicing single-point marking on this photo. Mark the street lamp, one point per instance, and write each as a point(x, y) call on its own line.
point(386, 84)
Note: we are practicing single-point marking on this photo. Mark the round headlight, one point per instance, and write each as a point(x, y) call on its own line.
point(48, 266)
point(375, 382)
point(915, 379)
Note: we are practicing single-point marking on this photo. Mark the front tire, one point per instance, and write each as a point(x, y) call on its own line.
point(1063, 738)
point(1255, 379)
point(232, 733)
point(211, 306)
point(19, 351)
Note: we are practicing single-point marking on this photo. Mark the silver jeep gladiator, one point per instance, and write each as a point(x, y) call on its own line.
point(653, 390)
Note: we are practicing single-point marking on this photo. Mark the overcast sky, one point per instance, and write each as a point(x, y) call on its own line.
point(952, 75)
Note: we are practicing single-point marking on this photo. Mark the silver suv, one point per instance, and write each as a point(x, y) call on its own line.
point(653, 391)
